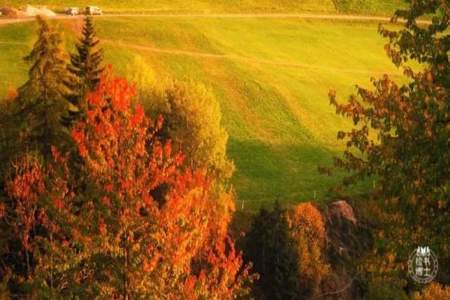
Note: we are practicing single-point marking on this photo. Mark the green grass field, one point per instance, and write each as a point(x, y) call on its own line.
point(204, 6)
point(271, 76)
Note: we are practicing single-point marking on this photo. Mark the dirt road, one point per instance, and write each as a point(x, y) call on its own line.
point(357, 18)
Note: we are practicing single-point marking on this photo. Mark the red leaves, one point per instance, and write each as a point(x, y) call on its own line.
point(77, 135)
point(160, 208)
point(136, 205)
point(25, 185)
point(159, 123)
point(102, 227)
point(59, 204)
point(106, 201)
point(138, 116)
point(112, 89)
point(26, 181)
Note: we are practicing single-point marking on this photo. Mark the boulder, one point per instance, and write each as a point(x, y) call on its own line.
point(340, 211)
point(348, 239)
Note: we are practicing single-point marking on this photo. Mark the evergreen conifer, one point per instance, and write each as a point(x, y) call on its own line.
point(86, 67)
point(42, 100)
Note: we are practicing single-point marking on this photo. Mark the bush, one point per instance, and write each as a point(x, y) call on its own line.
point(193, 123)
point(307, 228)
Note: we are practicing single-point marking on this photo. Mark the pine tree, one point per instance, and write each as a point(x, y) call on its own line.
point(42, 99)
point(86, 67)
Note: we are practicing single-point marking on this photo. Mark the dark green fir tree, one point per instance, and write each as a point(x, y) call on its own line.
point(86, 67)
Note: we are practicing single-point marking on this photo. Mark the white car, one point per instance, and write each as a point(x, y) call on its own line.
point(72, 11)
point(93, 10)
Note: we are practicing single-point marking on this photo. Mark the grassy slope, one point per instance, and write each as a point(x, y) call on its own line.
point(274, 100)
point(361, 6)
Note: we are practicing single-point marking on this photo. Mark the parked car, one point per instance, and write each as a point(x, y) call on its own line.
point(93, 10)
point(72, 11)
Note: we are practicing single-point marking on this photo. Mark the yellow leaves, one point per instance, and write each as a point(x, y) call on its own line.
point(390, 257)
point(308, 230)
point(140, 73)
point(429, 76)
point(305, 218)
point(434, 291)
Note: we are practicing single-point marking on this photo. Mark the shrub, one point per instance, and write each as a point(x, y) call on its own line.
point(193, 123)
point(308, 230)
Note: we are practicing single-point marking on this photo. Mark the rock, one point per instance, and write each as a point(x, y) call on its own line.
point(346, 236)
point(341, 211)
point(348, 240)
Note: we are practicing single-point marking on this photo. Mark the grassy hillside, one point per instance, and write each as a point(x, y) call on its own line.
point(271, 77)
point(290, 6)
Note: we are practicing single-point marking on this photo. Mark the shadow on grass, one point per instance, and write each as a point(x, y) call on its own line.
point(288, 173)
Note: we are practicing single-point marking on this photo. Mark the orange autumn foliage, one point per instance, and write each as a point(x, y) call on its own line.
point(307, 227)
point(124, 219)
point(162, 229)
point(25, 185)
point(34, 212)
point(434, 291)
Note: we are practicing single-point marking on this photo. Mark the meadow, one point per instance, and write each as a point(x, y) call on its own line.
point(271, 77)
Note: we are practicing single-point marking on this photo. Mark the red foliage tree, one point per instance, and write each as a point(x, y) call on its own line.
point(126, 221)
point(160, 225)
point(35, 216)
point(25, 185)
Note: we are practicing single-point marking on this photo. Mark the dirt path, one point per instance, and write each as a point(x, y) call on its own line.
point(234, 57)
point(4, 21)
